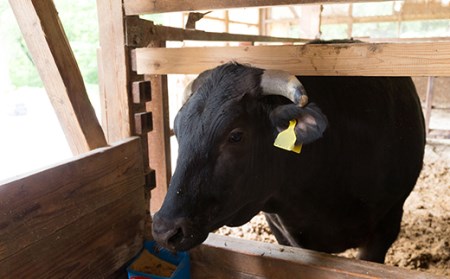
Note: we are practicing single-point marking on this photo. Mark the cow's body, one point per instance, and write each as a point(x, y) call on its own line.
point(352, 183)
point(345, 189)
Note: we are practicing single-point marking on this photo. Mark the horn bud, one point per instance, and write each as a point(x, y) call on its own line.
point(277, 82)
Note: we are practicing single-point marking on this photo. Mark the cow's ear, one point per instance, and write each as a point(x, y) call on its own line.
point(311, 122)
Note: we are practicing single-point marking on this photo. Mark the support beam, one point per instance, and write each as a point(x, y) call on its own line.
point(159, 137)
point(83, 218)
point(141, 32)
point(358, 59)
point(115, 76)
point(56, 64)
point(136, 7)
point(387, 18)
point(228, 257)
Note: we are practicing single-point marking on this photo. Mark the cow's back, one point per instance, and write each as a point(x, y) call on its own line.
point(375, 117)
point(365, 165)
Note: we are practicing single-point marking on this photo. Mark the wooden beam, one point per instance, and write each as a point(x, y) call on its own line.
point(228, 257)
point(360, 59)
point(141, 32)
point(429, 103)
point(115, 76)
point(81, 219)
point(404, 40)
point(56, 64)
point(136, 7)
point(387, 18)
point(159, 138)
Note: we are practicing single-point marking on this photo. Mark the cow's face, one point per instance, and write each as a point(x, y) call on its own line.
point(222, 172)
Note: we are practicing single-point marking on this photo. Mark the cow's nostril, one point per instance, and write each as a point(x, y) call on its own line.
point(176, 238)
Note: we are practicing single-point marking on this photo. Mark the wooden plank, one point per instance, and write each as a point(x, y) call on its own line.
point(397, 40)
point(137, 7)
point(80, 219)
point(115, 73)
point(102, 93)
point(359, 59)
point(95, 246)
point(227, 257)
point(140, 32)
point(159, 138)
point(58, 69)
point(444, 14)
point(429, 103)
point(143, 122)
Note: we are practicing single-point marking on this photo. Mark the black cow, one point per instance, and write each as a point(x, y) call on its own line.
point(363, 145)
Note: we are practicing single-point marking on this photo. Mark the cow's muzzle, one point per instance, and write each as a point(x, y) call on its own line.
point(176, 234)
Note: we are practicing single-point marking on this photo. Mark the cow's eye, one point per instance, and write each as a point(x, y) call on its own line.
point(235, 136)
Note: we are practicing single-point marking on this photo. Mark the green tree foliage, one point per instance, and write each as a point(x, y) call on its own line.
point(21, 69)
point(79, 19)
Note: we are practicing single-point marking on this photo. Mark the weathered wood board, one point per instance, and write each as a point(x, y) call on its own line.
point(159, 139)
point(115, 77)
point(80, 219)
point(135, 7)
point(141, 32)
point(228, 257)
point(358, 59)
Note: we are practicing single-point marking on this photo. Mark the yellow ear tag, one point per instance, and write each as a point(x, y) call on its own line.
point(286, 139)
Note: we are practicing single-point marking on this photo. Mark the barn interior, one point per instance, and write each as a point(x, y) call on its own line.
point(78, 201)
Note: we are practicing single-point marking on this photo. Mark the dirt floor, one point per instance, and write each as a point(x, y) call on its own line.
point(424, 240)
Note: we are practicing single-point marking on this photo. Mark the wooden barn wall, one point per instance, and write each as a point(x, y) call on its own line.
point(81, 219)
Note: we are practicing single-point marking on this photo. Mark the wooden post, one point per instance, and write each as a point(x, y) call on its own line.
point(350, 21)
point(125, 94)
point(114, 62)
point(429, 103)
point(262, 21)
point(56, 64)
point(136, 7)
point(229, 257)
point(159, 138)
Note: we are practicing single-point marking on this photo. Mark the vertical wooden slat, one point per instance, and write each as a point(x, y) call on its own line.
point(117, 83)
point(429, 103)
point(262, 21)
point(101, 88)
point(115, 69)
point(56, 64)
point(229, 257)
point(350, 21)
point(159, 138)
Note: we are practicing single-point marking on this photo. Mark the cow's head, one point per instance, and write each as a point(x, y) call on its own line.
point(225, 130)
